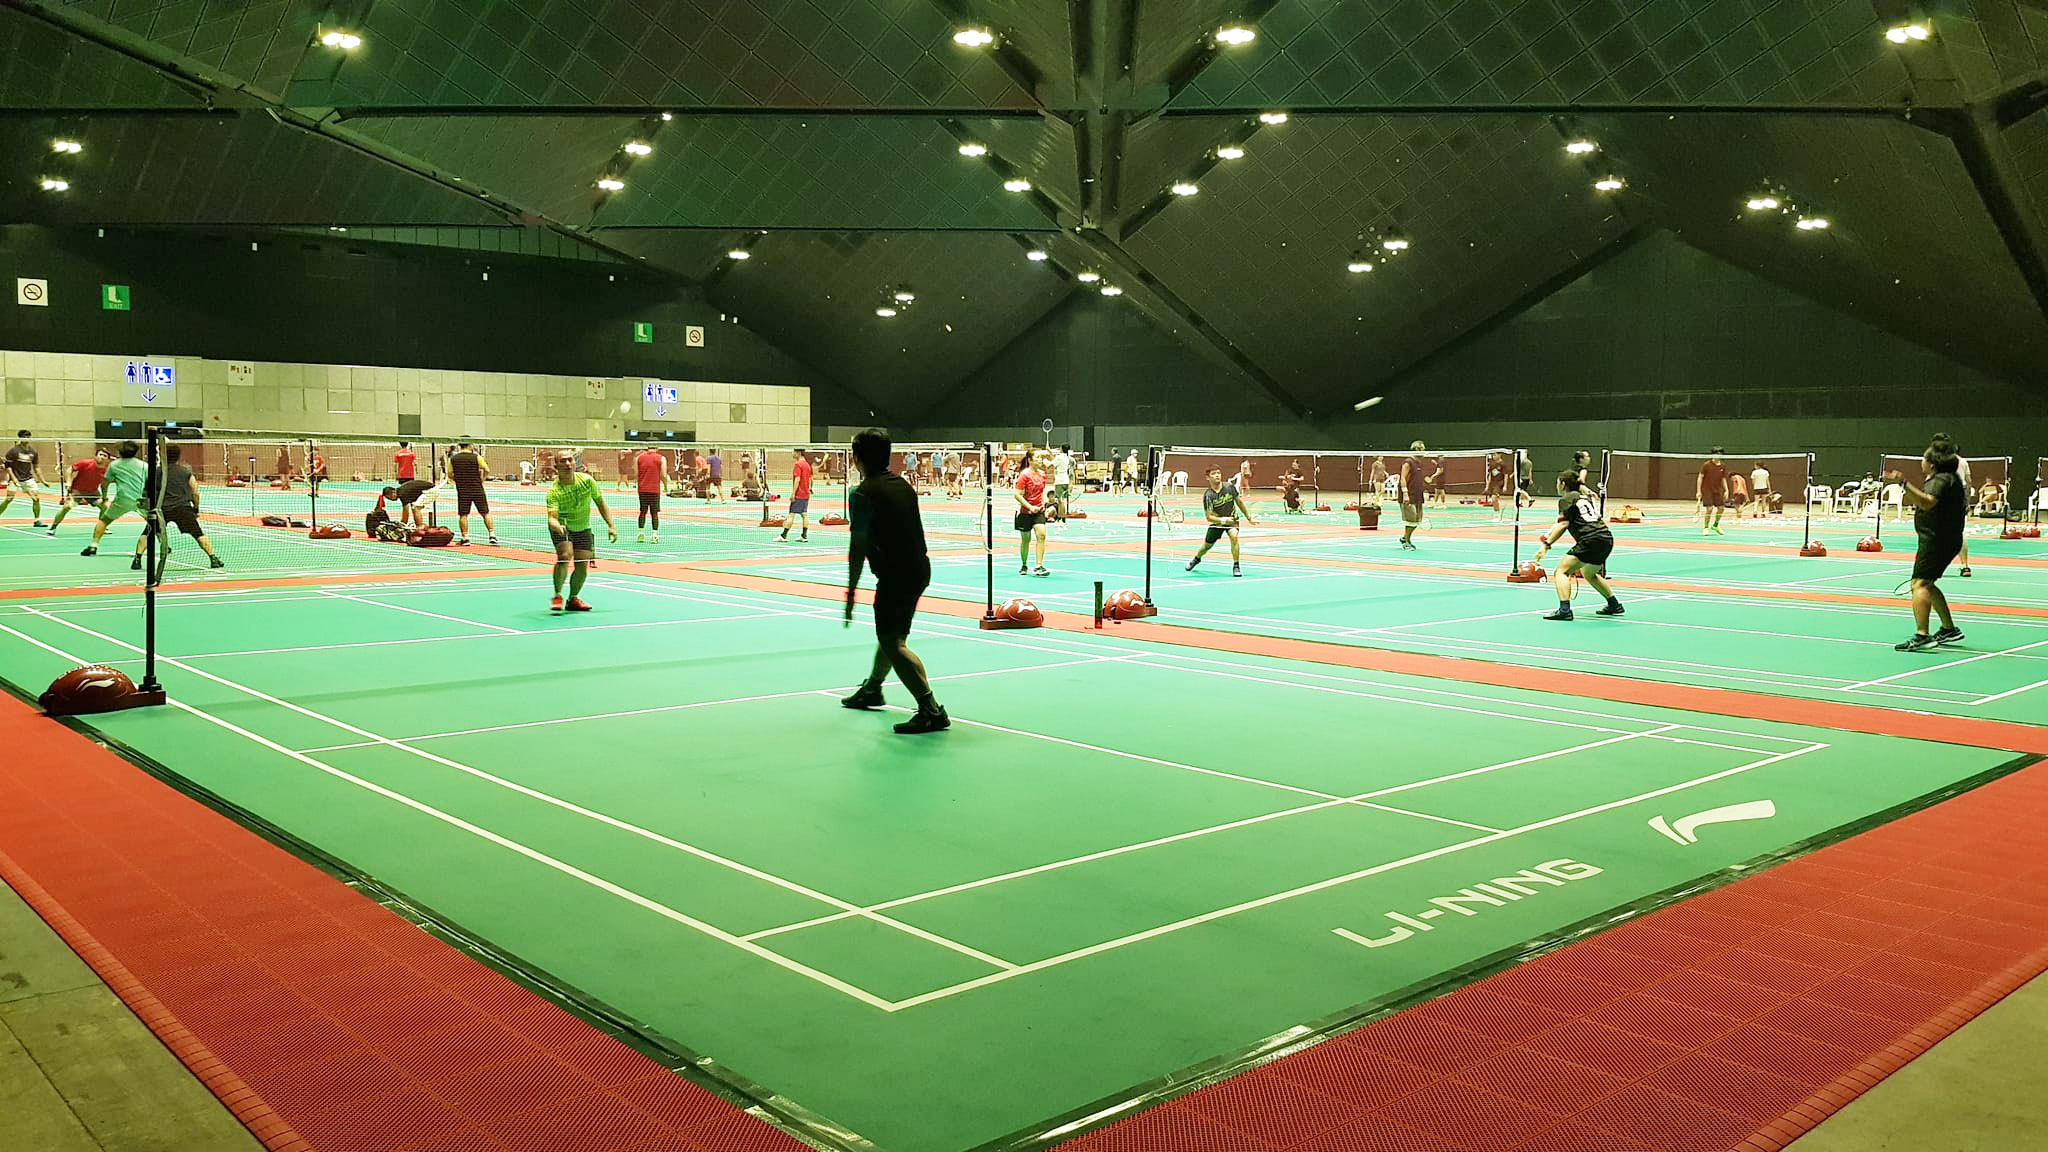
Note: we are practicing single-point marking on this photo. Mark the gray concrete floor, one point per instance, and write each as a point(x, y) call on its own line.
point(79, 1073)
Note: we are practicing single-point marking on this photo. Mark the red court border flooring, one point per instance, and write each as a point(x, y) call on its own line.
point(1736, 1019)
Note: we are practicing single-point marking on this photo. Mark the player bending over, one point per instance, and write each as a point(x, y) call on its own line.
point(1940, 507)
point(1592, 543)
point(1224, 506)
point(86, 477)
point(126, 481)
point(888, 536)
point(409, 495)
point(569, 502)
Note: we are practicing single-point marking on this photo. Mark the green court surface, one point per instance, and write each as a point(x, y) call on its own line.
point(1127, 859)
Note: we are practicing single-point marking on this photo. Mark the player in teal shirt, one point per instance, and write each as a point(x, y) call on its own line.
point(119, 493)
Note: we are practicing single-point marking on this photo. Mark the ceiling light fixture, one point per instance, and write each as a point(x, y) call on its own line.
point(1089, 277)
point(1184, 188)
point(1235, 35)
point(52, 184)
point(69, 147)
point(738, 254)
point(336, 228)
point(904, 295)
point(1368, 402)
point(667, 116)
point(344, 40)
point(1610, 184)
point(1230, 152)
point(1812, 223)
point(1910, 32)
point(1111, 290)
point(1394, 242)
point(1038, 255)
point(885, 312)
point(974, 37)
point(1761, 203)
point(1272, 117)
point(638, 148)
point(609, 184)
point(1581, 146)
point(1358, 263)
point(972, 149)
point(1016, 184)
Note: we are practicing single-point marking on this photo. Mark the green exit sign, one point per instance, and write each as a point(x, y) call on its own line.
point(643, 332)
point(114, 297)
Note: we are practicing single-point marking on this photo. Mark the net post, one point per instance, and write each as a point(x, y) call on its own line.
point(988, 531)
point(1877, 516)
point(1515, 494)
point(1098, 603)
point(152, 571)
point(1806, 494)
point(1155, 459)
point(252, 485)
point(1606, 469)
point(312, 484)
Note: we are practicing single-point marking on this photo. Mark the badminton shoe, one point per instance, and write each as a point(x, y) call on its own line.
point(575, 605)
point(1561, 614)
point(935, 720)
point(867, 696)
point(1920, 642)
point(555, 605)
point(1948, 635)
point(1613, 608)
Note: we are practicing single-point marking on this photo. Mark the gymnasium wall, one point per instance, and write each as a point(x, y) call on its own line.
point(350, 335)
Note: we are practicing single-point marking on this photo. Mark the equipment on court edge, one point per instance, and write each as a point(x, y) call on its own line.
point(1368, 517)
point(95, 688)
point(768, 521)
point(1127, 605)
point(831, 520)
point(1015, 614)
point(1629, 514)
point(329, 532)
point(1870, 544)
point(430, 537)
point(276, 522)
point(1813, 548)
point(1529, 573)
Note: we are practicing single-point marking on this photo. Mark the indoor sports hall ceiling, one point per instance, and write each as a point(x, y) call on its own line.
point(824, 138)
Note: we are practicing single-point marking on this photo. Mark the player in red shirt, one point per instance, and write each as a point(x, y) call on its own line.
point(800, 503)
point(84, 487)
point(652, 469)
point(407, 460)
point(1713, 494)
point(1030, 495)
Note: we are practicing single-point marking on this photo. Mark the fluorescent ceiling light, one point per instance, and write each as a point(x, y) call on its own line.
point(1016, 184)
point(738, 254)
point(1368, 402)
point(1089, 277)
point(69, 147)
point(52, 184)
point(1913, 31)
point(1230, 152)
point(1610, 184)
point(1581, 146)
point(1037, 255)
point(974, 37)
point(973, 149)
point(344, 40)
point(885, 312)
point(1761, 203)
point(1184, 188)
point(1111, 290)
point(1235, 35)
point(638, 148)
point(609, 184)
point(1812, 223)
point(1272, 117)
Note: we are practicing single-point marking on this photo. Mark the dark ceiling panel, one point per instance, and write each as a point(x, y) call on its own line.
point(1040, 148)
point(1040, 30)
point(1492, 205)
point(1314, 53)
point(261, 43)
point(816, 172)
point(687, 252)
point(547, 164)
point(226, 169)
point(1995, 43)
point(1911, 247)
point(1160, 151)
point(41, 66)
point(816, 294)
point(1171, 31)
point(665, 53)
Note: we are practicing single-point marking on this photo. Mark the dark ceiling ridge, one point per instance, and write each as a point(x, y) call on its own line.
point(1981, 148)
point(680, 111)
point(1549, 108)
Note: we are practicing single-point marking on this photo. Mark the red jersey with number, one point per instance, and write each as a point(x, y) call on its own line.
point(86, 476)
point(803, 478)
point(1032, 485)
point(648, 465)
point(407, 461)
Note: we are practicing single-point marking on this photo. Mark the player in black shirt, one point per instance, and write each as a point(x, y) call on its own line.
point(888, 536)
point(1940, 506)
point(1592, 543)
point(1224, 506)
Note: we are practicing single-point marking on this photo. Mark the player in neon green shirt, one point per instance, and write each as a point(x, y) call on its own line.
point(121, 491)
point(569, 501)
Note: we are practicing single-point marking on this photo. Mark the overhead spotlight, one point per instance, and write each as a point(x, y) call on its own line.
point(609, 184)
point(973, 149)
point(1761, 203)
point(1358, 263)
point(336, 228)
point(1111, 290)
point(974, 37)
point(667, 116)
point(1016, 184)
point(1184, 188)
point(1235, 35)
point(1610, 184)
point(738, 254)
point(1038, 255)
point(1089, 277)
point(1394, 242)
point(1580, 146)
point(1230, 152)
point(1910, 32)
point(1368, 402)
point(343, 40)
point(885, 312)
point(904, 295)
point(53, 184)
point(638, 148)
point(1812, 223)
point(68, 147)
point(1272, 117)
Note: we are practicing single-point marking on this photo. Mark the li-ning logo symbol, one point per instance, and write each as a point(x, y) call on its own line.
point(1685, 829)
point(1495, 893)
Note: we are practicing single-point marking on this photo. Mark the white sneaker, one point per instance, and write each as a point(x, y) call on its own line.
point(657, 538)
point(639, 537)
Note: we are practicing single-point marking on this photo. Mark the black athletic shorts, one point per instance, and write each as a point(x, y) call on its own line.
point(1594, 552)
point(1216, 532)
point(895, 605)
point(582, 543)
point(1026, 521)
point(185, 519)
point(466, 502)
point(1933, 559)
point(650, 502)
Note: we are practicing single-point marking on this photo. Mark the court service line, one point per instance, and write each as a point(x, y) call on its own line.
point(1946, 664)
point(1335, 881)
point(565, 805)
point(2009, 692)
point(535, 855)
point(477, 636)
point(499, 628)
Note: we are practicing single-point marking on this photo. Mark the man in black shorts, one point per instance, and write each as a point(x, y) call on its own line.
point(467, 469)
point(1941, 504)
point(409, 495)
point(888, 536)
point(174, 496)
point(1592, 543)
point(1224, 507)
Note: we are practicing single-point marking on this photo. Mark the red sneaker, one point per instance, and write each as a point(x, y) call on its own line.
point(576, 605)
point(555, 605)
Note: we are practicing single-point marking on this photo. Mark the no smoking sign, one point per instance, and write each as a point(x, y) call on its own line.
point(32, 293)
point(694, 336)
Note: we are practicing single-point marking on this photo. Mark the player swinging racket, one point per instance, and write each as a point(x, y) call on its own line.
point(1592, 543)
point(126, 481)
point(1941, 504)
point(1224, 506)
point(86, 477)
point(569, 502)
point(176, 498)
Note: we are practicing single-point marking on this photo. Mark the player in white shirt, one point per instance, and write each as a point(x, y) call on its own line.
point(1062, 480)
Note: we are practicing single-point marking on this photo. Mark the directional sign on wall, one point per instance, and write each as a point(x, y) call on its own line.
point(658, 402)
point(149, 384)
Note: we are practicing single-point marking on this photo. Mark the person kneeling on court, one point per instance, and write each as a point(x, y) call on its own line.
point(569, 501)
point(1940, 506)
point(1592, 543)
point(888, 536)
point(1224, 506)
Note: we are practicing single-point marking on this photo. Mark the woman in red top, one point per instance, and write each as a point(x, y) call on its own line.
point(1030, 516)
point(84, 487)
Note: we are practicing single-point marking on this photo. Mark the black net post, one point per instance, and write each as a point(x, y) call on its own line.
point(1806, 492)
point(1155, 459)
point(1515, 494)
point(1606, 470)
point(1877, 514)
point(988, 530)
point(153, 567)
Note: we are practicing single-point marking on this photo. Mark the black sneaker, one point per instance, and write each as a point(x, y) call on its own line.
point(218, 563)
point(1023, 569)
point(90, 551)
point(1561, 614)
point(935, 720)
point(1614, 609)
point(135, 565)
point(1191, 565)
point(865, 697)
point(1948, 635)
point(1041, 571)
point(1920, 642)
point(1236, 571)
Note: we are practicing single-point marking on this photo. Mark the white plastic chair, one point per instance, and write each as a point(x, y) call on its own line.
point(1821, 495)
point(2040, 501)
point(1846, 500)
point(1180, 481)
point(1895, 499)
